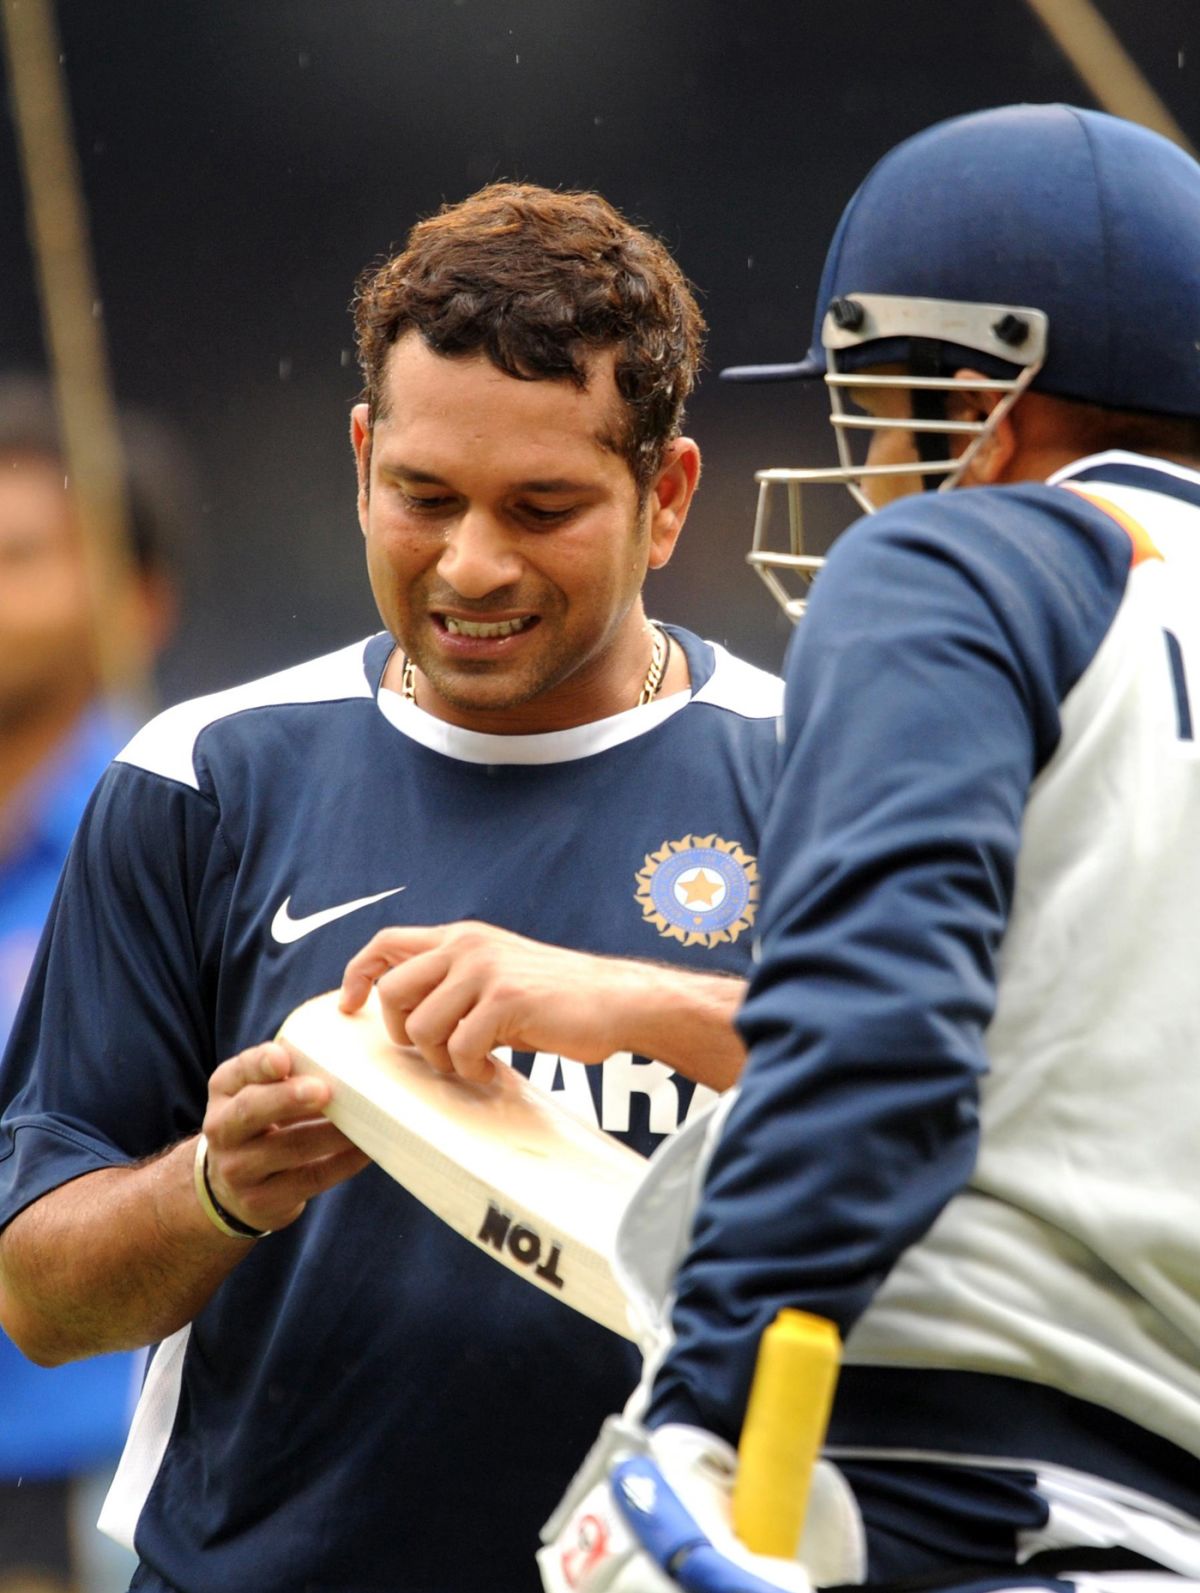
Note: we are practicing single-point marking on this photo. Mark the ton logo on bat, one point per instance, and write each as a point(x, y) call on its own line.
point(521, 1242)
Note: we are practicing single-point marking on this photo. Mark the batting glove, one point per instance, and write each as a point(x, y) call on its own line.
point(650, 1513)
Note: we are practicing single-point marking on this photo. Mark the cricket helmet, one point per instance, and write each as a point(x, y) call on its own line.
point(1042, 245)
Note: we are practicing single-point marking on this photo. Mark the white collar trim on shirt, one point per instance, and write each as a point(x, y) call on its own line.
point(554, 746)
point(1121, 456)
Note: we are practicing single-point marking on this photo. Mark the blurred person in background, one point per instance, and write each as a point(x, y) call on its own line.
point(61, 1430)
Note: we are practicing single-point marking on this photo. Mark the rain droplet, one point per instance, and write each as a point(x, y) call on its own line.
point(285, 370)
point(749, 262)
point(303, 59)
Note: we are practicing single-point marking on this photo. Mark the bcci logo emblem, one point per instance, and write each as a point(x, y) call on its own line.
point(700, 890)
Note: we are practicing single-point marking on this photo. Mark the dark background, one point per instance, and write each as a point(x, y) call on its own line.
point(244, 159)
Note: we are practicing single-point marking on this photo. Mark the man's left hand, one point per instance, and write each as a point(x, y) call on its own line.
point(456, 991)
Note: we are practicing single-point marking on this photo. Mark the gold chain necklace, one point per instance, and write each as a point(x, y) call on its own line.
point(658, 666)
point(650, 686)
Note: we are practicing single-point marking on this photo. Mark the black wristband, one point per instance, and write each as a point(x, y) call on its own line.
point(230, 1225)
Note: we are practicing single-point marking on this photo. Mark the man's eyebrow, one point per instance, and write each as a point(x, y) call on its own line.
point(426, 478)
point(557, 484)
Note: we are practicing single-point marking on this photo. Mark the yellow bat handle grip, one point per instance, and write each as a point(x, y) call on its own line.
point(784, 1429)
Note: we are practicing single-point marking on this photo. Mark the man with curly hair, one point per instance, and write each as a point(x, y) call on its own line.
point(540, 804)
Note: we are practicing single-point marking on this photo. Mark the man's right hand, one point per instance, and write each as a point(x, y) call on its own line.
point(126, 1255)
point(270, 1150)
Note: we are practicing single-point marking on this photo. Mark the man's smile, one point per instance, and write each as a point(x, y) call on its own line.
point(457, 626)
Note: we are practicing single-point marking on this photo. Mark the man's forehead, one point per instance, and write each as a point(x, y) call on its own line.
point(33, 479)
point(432, 400)
point(411, 361)
point(34, 504)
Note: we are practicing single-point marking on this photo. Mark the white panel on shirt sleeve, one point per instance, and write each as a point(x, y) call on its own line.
point(167, 745)
point(741, 687)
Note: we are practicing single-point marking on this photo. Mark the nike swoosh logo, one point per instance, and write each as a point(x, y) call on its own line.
point(286, 929)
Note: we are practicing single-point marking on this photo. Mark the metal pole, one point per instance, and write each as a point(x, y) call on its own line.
point(58, 232)
point(1105, 66)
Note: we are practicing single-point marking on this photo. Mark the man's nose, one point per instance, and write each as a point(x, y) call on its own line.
point(479, 556)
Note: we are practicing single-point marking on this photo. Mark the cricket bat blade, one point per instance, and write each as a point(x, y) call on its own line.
point(502, 1163)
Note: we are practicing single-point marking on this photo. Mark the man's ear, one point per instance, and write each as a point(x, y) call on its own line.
point(991, 461)
point(360, 441)
point(671, 498)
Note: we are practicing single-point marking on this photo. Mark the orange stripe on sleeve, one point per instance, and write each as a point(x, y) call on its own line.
point(1143, 546)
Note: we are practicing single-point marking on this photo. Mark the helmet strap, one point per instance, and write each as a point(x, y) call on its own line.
point(925, 358)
